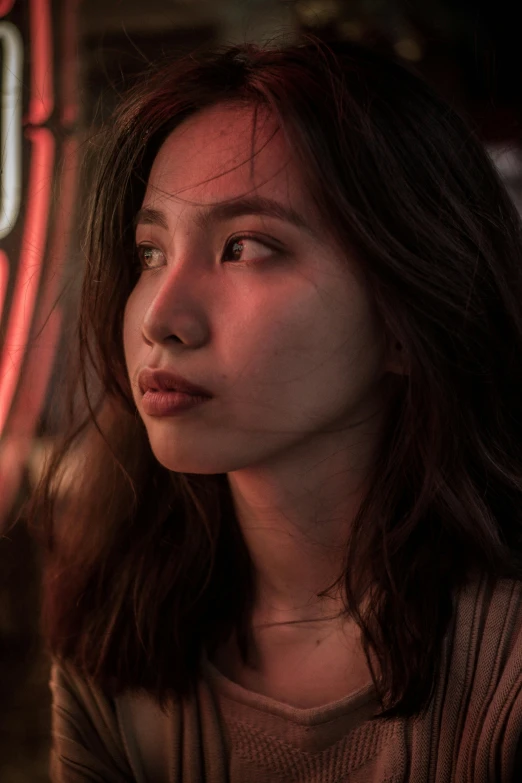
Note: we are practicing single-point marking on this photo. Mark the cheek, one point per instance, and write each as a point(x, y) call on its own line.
point(358, 350)
point(131, 328)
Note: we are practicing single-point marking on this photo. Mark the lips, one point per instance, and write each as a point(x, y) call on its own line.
point(162, 380)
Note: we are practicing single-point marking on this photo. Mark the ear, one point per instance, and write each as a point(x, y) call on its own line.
point(396, 362)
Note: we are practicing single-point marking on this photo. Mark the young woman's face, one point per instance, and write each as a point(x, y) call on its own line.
point(257, 305)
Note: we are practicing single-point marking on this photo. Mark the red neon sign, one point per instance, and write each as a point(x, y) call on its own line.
point(29, 266)
point(41, 101)
point(5, 7)
point(29, 277)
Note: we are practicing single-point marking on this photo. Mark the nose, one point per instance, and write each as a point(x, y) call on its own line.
point(175, 310)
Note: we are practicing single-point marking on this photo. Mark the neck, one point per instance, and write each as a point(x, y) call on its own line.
point(296, 567)
point(295, 622)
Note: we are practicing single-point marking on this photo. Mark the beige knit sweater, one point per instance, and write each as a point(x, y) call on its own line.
point(470, 733)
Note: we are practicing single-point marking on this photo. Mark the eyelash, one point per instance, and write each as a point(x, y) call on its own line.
point(232, 240)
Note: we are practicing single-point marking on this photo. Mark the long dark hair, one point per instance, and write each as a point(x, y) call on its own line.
point(145, 568)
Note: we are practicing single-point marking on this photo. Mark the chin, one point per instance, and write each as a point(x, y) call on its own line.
point(185, 463)
point(187, 457)
point(204, 453)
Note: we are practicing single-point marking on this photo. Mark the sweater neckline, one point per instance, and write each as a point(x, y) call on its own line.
point(302, 715)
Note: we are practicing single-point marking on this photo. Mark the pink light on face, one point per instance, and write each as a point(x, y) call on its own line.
point(29, 268)
point(42, 94)
point(5, 7)
point(4, 277)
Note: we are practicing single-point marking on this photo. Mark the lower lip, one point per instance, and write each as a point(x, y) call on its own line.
point(169, 403)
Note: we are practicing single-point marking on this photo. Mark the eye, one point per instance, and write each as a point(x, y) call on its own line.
point(150, 257)
point(245, 248)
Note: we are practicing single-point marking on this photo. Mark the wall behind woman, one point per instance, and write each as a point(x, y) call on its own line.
point(467, 49)
point(470, 51)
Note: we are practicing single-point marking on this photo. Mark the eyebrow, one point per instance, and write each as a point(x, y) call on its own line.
point(253, 205)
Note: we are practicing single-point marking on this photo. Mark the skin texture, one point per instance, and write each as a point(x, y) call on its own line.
point(290, 346)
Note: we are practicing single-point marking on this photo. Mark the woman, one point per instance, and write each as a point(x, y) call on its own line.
point(293, 550)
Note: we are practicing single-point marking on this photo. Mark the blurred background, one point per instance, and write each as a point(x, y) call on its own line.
point(64, 64)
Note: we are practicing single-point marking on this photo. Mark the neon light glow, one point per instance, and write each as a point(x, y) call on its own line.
point(30, 266)
point(5, 6)
point(11, 126)
point(68, 73)
point(46, 329)
point(42, 93)
point(18, 445)
point(32, 322)
point(4, 278)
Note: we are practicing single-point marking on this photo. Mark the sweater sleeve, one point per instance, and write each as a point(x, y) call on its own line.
point(86, 740)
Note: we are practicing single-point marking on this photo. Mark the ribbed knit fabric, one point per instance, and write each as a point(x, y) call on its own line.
point(269, 741)
point(470, 733)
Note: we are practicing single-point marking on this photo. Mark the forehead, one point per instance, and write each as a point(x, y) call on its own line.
point(225, 152)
